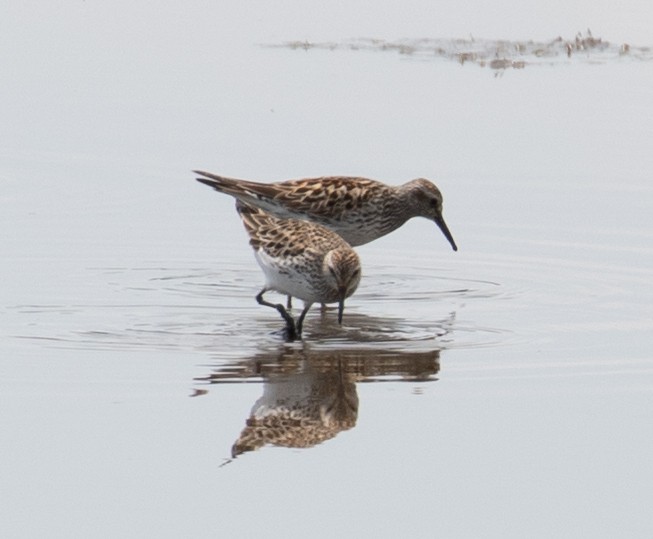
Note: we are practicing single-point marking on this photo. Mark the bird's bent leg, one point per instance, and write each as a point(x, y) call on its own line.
point(293, 333)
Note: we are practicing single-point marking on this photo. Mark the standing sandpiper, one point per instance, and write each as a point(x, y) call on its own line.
point(358, 209)
point(300, 259)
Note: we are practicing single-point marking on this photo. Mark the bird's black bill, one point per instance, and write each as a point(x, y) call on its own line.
point(341, 308)
point(445, 230)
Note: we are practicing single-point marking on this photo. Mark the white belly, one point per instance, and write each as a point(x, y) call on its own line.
point(284, 278)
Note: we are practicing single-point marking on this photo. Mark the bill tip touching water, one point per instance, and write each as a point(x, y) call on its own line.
point(303, 231)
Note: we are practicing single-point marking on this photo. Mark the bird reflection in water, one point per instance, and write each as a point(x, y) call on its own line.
point(309, 396)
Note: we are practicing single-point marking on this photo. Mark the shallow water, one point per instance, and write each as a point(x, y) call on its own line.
point(503, 390)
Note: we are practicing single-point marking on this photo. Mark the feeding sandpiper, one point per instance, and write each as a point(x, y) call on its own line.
point(301, 259)
point(358, 209)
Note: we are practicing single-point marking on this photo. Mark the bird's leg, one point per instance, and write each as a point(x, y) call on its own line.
point(293, 333)
point(300, 320)
point(289, 302)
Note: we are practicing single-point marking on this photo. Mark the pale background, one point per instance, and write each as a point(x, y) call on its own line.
point(123, 281)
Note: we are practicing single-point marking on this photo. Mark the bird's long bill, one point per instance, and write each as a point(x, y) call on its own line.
point(341, 307)
point(445, 230)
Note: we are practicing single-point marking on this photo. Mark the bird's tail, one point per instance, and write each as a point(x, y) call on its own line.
point(229, 186)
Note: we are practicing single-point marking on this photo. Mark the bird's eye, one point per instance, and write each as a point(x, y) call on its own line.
point(434, 202)
point(333, 272)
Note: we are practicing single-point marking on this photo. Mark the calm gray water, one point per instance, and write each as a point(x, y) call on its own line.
point(501, 391)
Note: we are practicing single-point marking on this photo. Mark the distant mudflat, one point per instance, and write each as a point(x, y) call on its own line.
point(496, 54)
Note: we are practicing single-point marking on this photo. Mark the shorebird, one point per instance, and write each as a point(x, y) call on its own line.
point(301, 409)
point(358, 209)
point(300, 259)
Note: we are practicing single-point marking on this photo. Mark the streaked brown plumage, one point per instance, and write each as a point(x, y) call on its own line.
point(301, 259)
point(358, 209)
point(301, 410)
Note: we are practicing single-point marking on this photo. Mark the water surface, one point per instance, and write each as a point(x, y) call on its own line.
point(500, 391)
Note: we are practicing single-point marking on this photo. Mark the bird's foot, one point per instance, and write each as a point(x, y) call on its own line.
point(291, 334)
